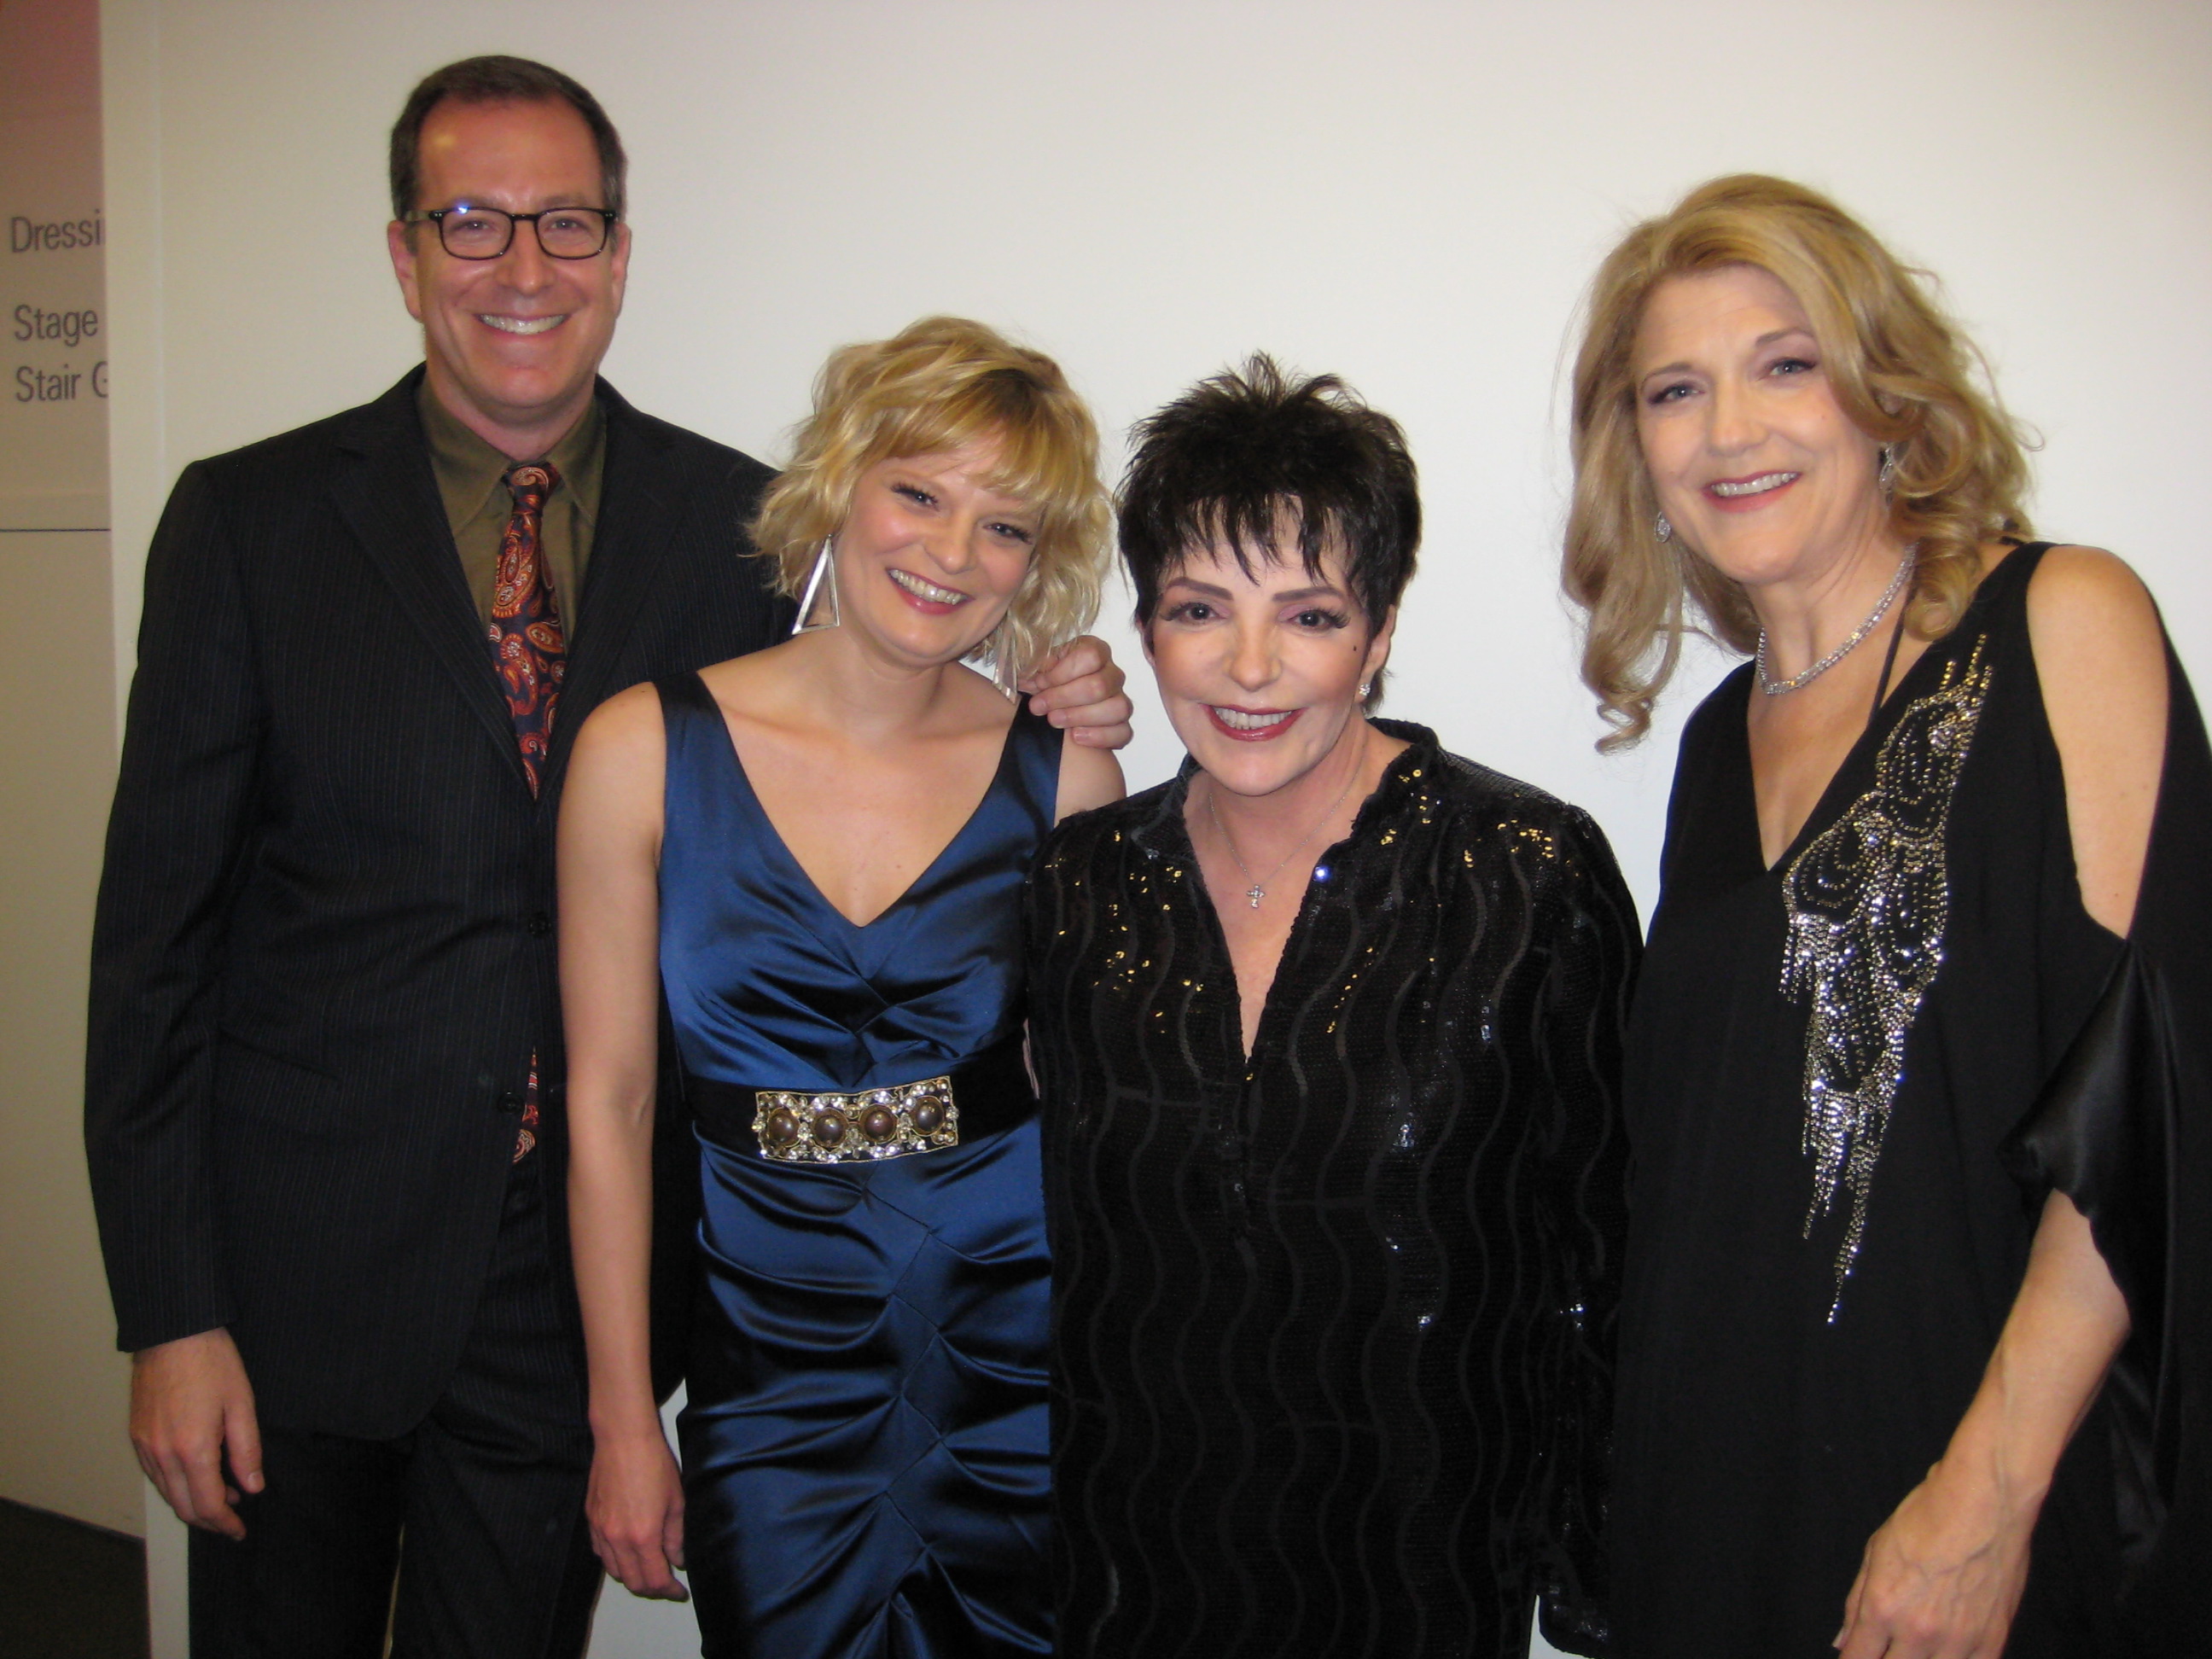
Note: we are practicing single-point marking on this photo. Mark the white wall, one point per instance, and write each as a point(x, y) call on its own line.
point(1410, 194)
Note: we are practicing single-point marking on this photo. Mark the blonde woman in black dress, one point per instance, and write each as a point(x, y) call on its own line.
point(1933, 893)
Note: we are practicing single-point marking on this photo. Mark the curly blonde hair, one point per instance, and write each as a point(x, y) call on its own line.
point(1902, 372)
point(939, 386)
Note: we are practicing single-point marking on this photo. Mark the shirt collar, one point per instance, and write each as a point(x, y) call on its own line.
point(469, 470)
point(1164, 831)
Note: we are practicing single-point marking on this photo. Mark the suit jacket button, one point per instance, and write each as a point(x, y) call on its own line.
point(540, 924)
point(510, 1102)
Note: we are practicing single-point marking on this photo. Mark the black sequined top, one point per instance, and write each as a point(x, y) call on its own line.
point(1333, 1327)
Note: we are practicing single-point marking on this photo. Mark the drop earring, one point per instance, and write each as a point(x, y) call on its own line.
point(1661, 528)
point(1885, 476)
point(1364, 686)
point(993, 654)
point(824, 571)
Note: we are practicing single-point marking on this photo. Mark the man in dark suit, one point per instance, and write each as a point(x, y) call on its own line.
point(324, 1092)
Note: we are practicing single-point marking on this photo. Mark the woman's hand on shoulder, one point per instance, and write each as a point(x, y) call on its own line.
point(635, 1509)
point(1080, 690)
point(1088, 778)
point(2101, 657)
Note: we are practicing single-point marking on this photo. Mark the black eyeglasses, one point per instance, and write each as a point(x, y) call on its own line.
point(469, 232)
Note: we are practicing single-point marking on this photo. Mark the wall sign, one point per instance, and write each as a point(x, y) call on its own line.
point(54, 331)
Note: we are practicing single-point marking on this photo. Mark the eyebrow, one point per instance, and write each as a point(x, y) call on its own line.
point(1323, 592)
point(1764, 340)
point(900, 469)
point(553, 205)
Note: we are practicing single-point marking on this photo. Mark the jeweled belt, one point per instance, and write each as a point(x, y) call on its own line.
point(977, 1097)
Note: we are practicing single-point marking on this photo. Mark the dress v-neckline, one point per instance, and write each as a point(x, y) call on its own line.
point(1877, 729)
point(1902, 695)
point(782, 847)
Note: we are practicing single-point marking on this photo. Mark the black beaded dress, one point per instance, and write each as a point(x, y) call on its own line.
point(1333, 1327)
point(1852, 1078)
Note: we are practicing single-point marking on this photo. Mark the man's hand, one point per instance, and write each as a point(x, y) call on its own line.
point(191, 1406)
point(1080, 690)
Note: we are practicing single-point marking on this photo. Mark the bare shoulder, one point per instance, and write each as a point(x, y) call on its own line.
point(2088, 593)
point(619, 767)
point(1088, 778)
point(2101, 655)
point(740, 682)
point(2098, 648)
point(624, 722)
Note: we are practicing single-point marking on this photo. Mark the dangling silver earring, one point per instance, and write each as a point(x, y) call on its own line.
point(1886, 477)
point(826, 570)
point(992, 659)
point(1661, 528)
point(1004, 669)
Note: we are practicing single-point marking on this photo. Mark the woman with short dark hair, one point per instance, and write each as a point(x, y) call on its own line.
point(1327, 1030)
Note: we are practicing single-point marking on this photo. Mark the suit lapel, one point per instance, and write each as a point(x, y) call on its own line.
point(389, 498)
point(642, 504)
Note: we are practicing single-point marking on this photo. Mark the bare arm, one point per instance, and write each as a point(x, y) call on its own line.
point(609, 847)
point(1088, 778)
point(1943, 1577)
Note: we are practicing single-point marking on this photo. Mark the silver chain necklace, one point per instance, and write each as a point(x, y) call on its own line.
point(1775, 688)
point(1258, 890)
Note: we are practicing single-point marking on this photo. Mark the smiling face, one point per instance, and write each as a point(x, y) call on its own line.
point(512, 343)
point(1752, 459)
point(1261, 673)
point(930, 555)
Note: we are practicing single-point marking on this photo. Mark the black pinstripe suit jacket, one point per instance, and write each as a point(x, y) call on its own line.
point(324, 951)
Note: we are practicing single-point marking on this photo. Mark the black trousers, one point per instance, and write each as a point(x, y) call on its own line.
point(477, 1511)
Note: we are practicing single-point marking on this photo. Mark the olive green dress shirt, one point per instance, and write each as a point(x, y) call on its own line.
point(477, 505)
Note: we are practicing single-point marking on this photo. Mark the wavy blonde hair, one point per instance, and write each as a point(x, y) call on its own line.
point(938, 386)
point(1902, 372)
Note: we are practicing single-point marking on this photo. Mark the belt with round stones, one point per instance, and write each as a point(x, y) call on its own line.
point(977, 1097)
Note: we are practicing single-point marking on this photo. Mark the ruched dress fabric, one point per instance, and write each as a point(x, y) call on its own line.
point(864, 1445)
point(1781, 1391)
point(1333, 1328)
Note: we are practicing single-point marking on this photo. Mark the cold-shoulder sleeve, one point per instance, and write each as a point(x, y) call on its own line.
point(2124, 1129)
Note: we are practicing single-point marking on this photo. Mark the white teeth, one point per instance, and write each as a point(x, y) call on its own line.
point(1237, 721)
point(929, 591)
point(522, 324)
point(1758, 486)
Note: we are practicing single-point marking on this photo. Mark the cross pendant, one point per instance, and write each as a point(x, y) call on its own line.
point(1255, 893)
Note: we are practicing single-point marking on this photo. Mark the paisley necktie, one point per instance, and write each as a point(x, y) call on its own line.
point(527, 643)
point(526, 621)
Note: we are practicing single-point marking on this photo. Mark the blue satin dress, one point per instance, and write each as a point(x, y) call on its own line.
point(864, 1448)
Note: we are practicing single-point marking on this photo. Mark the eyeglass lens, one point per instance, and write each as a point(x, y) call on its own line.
point(478, 233)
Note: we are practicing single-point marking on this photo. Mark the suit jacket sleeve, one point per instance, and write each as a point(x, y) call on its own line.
point(180, 832)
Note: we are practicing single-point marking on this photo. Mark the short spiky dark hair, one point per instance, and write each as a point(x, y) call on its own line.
point(499, 80)
point(1225, 461)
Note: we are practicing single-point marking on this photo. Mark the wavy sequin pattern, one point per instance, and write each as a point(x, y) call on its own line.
point(1333, 1322)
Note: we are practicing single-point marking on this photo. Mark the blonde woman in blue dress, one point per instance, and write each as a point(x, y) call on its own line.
point(817, 852)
